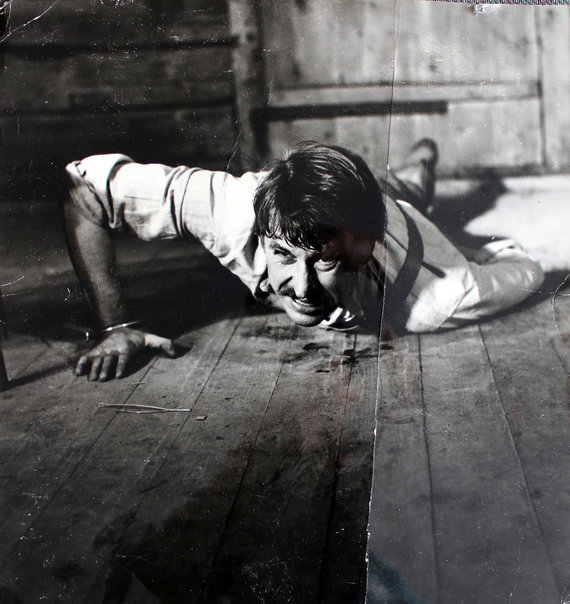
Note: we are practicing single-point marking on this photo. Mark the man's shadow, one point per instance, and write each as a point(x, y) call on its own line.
point(172, 299)
point(452, 213)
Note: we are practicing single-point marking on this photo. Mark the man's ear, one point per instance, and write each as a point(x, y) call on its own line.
point(353, 249)
point(265, 287)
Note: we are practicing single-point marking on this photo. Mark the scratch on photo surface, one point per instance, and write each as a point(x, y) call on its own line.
point(556, 294)
point(12, 282)
point(234, 148)
point(26, 291)
point(9, 5)
point(518, 571)
point(15, 112)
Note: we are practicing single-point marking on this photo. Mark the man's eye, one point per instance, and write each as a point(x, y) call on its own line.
point(283, 255)
point(326, 265)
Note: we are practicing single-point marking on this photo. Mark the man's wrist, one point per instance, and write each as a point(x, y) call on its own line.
point(115, 326)
point(109, 329)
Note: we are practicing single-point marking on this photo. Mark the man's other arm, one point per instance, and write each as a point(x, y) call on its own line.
point(91, 247)
point(92, 252)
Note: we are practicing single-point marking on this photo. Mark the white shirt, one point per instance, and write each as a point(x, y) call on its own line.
point(429, 283)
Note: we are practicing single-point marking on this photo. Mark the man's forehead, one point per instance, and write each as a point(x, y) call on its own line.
point(280, 242)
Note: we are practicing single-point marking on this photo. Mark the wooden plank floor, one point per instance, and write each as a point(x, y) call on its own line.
point(258, 492)
point(470, 492)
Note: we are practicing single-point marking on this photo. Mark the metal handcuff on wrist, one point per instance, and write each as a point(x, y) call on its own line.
point(89, 335)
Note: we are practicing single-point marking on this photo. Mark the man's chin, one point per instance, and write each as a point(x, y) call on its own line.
point(305, 315)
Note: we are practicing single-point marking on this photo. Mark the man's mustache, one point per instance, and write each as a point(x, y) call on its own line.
point(316, 300)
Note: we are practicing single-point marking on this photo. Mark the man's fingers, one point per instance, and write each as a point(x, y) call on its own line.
point(96, 364)
point(121, 365)
point(82, 365)
point(108, 367)
point(110, 358)
point(163, 344)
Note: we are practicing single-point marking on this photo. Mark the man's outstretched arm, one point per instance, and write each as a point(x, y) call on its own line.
point(92, 253)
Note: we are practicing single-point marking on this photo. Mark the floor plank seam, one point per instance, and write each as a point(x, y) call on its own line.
point(64, 482)
point(512, 440)
point(556, 294)
point(436, 549)
point(231, 513)
point(334, 485)
point(174, 437)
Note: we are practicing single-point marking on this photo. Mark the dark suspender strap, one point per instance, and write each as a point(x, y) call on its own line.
point(410, 270)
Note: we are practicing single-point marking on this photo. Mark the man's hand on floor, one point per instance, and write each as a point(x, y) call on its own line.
point(110, 358)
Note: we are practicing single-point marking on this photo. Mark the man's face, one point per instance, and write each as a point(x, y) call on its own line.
point(312, 283)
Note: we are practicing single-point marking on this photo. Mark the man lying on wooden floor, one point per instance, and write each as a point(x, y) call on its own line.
point(316, 233)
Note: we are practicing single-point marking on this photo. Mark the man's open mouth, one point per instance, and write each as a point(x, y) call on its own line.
point(309, 307)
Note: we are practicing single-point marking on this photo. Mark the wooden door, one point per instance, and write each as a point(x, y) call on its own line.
point(376, 75)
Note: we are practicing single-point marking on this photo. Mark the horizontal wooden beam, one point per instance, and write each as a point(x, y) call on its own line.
point(97, 104)
point(181, 136)
point(81, 23)
point(58, 50)
point(122, 80)
point(386, 93)
point(273, 113)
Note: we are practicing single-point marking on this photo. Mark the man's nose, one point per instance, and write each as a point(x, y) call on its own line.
point(304, 280)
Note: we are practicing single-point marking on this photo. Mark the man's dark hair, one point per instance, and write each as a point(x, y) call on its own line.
point(317, 191)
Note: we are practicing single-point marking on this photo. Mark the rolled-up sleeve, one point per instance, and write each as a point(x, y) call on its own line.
point(144, 199)
point(154, 201)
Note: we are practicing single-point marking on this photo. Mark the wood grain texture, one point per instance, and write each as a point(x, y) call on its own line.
point(50, 428)
point(105, 465)
point(324, 43)
point(179, 137)
point(21, 352)
point(532, 381)
point(93, 22)
point(441, 42)
point(322, 54)
point(275, 539)
point(363, 93)
point(490, 547)
point(249, 81)
point(92, 76)
point(329, 43)
point(107, 82)
point(343, 575)
point(471, 135)
point(554, 33)
point(401, 528)
point(171, 545)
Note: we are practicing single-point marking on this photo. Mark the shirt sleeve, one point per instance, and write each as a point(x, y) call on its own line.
point(154, 201)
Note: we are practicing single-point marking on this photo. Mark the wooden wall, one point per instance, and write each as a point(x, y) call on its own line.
point(376, 75)
point(182, 81)
point(151, 78)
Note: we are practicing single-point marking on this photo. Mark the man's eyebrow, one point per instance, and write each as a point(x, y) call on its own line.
point(278, 246)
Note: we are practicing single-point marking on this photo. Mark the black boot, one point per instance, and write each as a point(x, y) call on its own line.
point(415, 181)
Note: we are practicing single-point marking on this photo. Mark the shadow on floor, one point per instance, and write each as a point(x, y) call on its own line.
point(452, 213)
